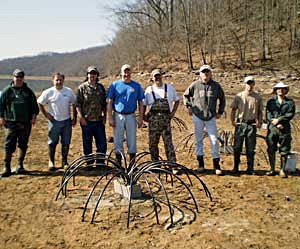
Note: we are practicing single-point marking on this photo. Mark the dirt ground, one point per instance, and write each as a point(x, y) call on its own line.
point(258, 211)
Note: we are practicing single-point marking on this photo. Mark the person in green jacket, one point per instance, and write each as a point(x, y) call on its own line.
point(18, 111)
point(280, 111)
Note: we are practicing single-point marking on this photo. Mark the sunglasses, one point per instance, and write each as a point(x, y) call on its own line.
point(19, 77)
point(205, 71)
point(93, 72)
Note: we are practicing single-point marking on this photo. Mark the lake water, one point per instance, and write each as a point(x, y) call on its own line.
point(39, 85)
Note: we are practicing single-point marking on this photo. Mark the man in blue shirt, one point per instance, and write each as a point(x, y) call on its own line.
point(122, 98)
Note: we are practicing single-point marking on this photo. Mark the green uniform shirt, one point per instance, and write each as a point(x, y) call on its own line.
point(18, 103)
point(284, 112)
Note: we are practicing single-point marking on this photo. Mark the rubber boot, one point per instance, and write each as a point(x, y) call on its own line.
point(200, 164)
point(282, 172)
point(51, 154)
point(272, 161)
point(20, 167)
point(236, 161)
point(216, 163)
point(119, 159)
point(7, 170)
point(64, 156)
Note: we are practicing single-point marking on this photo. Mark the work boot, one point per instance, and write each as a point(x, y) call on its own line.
point(236, 163)
point(7, 171)
point(217, 168)
point(51, 154)
point(272, 161)
point(20, 167)
point(282, 172)
point(119, 159)
point(250, 164)
point(200, 164)
point(64, 156)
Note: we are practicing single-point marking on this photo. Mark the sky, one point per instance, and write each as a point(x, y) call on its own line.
point(30, 27)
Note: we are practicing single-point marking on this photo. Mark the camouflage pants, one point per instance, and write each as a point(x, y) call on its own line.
point(156, 129)
point(245, 132)
point(16, 132)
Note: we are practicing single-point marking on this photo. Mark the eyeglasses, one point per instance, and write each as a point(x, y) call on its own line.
point(205, 71)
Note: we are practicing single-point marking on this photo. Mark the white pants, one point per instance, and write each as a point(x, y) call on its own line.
point(125, 123)
point(211, 128)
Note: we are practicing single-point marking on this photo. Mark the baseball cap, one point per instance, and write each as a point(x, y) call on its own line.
point(18, 72)
point(207, 67)
point(249, 80)
point(92, 68)
point(124, 67)
point(156, 72)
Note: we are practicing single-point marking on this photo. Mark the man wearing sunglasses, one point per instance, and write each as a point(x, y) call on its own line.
point(201, 99)
point(18, 111)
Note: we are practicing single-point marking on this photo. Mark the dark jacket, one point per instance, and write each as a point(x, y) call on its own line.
point(284, 112)
point(202, 98)
point(18, 103)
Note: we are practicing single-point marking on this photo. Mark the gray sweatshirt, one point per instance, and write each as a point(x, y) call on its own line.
point(202, 98)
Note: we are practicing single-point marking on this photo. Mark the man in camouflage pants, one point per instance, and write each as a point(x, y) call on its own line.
point(163, 101)
point(280, 111)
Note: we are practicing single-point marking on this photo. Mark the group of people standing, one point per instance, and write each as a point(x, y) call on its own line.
point(204, 100)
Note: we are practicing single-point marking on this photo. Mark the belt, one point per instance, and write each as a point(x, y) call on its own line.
point(125, 113)
point(248, 121)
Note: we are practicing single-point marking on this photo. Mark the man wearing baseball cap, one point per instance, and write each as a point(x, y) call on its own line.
point(249, 106)
point(279, 112)
point(201, 100)
point(91, 109)
point(18, 111)
point(122, 98)
point(163, 101)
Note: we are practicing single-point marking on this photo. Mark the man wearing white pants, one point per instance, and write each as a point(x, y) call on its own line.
point(201, 100)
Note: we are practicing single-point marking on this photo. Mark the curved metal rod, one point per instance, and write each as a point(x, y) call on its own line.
point(99, 198)
point(91, 193)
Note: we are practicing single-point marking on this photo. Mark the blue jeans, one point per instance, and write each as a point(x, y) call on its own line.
point(94, 129)
point(62, 129)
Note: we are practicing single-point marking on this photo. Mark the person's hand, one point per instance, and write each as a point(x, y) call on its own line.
point(2, 122)
point(218, 116)
point(190, 111)
point(104, 120)
point(140, 122)
point(33, 120)
point(233, 123)
point(83, 121)
point(275, 121)
point(172, 115)
point(49, 116)
point(111, 121)
point(257, 123)
point(279, 126)
point(74, 121)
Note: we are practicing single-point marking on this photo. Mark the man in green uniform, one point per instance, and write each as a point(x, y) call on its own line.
point(280, 111)
point(249, 106)
point(18, 111)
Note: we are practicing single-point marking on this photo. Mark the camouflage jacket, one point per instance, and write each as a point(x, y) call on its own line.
point(91, 101)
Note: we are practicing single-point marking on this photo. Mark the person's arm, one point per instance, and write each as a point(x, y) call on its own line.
point(74, 115)
point(34, 108)
point(45, 113)
point(79, 101)
point(289, 114)
point(187, 95)
point(141, 112)
point(175, 107)
point(222, 103)
point(258, 120)
point(111, 120)
point(2, 105)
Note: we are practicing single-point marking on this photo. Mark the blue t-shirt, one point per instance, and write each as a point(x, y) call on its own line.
point(125, 95)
